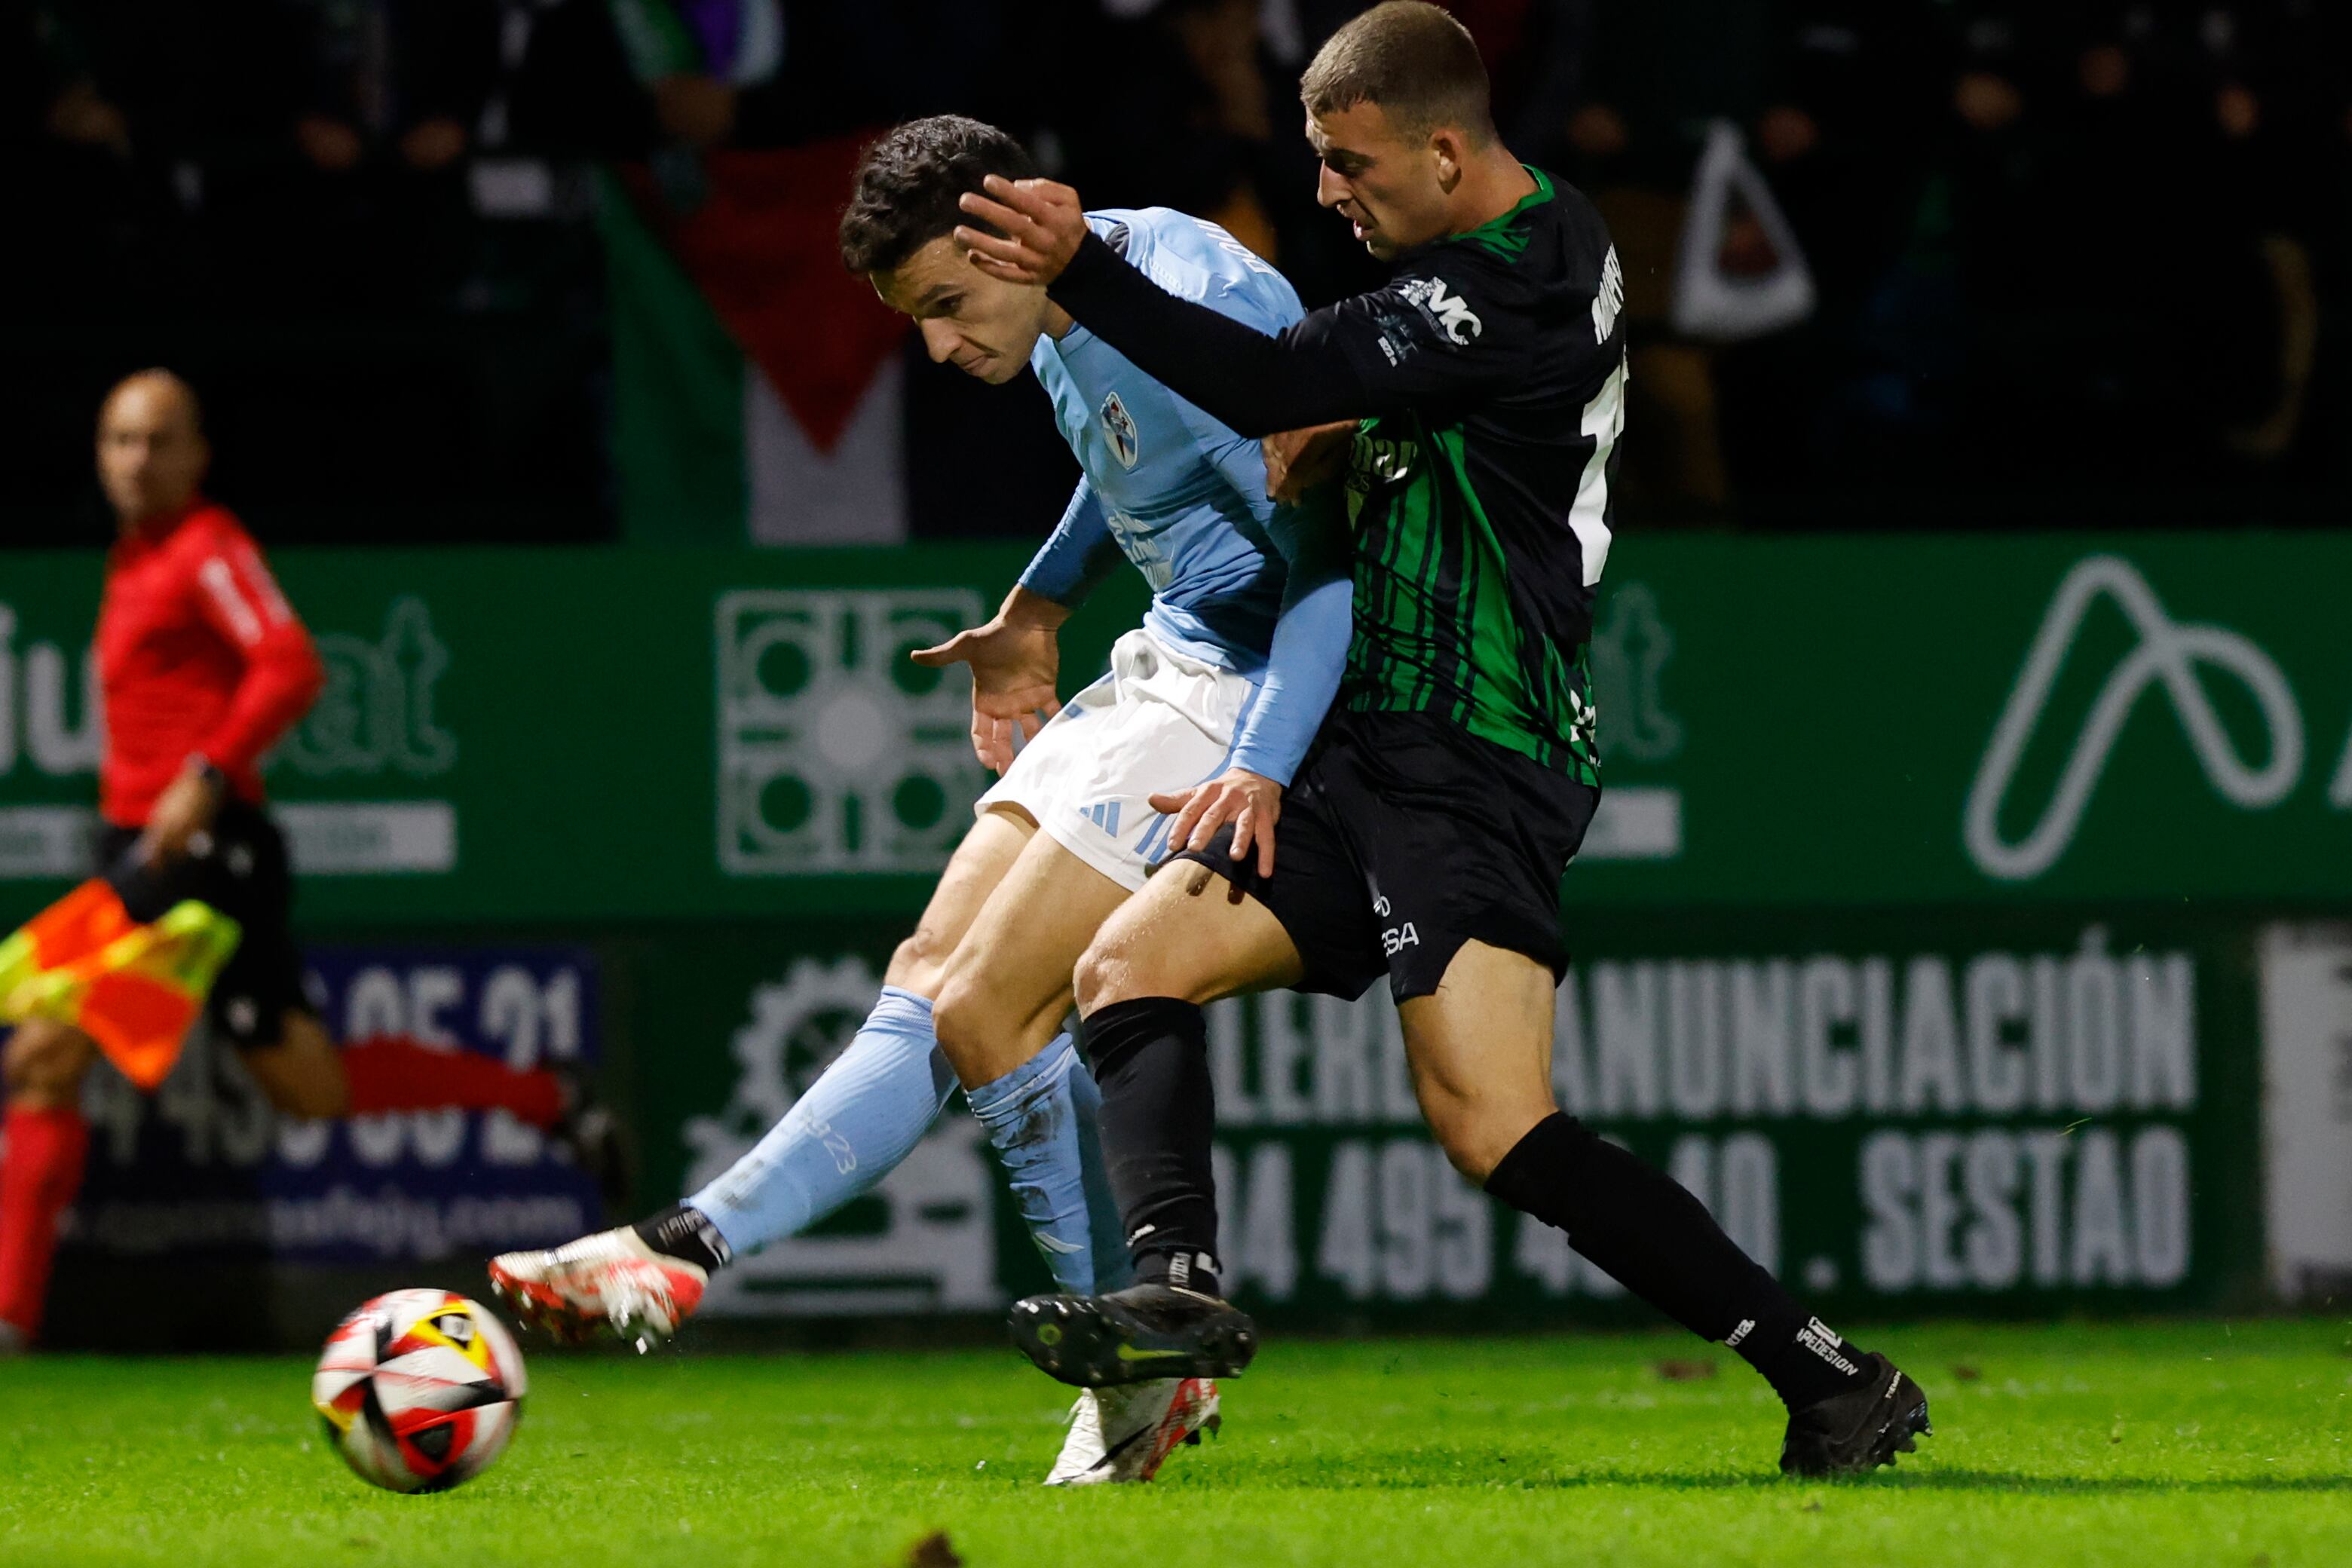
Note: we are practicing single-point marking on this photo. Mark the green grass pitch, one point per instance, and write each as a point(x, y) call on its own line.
point(2200, 1443)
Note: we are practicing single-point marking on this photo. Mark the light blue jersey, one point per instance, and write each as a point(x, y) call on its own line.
point(1237, 582)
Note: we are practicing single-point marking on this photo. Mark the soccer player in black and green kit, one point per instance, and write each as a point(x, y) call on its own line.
point(1426, 833)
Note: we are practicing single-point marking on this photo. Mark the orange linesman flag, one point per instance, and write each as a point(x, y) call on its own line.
point(134, 989)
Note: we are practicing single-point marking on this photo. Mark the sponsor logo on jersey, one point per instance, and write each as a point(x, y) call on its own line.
point(1397, 938)
point(1378, 459)
point(1119, 430)
point(1446, 312)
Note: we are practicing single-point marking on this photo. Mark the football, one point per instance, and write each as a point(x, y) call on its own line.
point(419, 1390)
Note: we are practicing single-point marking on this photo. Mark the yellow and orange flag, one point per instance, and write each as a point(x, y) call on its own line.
point(132, 988)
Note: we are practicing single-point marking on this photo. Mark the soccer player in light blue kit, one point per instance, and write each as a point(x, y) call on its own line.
point(1205, 712)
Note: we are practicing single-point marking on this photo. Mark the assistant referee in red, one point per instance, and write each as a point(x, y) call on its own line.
point(203, 666)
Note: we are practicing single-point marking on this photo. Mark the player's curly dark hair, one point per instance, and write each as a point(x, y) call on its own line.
point(907, 183)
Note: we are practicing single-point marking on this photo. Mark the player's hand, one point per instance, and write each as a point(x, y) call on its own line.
point(185, 808)
point(1251, 802)
point(1014, 664)
point(1041, 223)
point(1298, 460)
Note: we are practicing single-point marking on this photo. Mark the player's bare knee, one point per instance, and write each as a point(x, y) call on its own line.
point(1455, 1128)
point(1105, 972)
point(918, 962)
point(959, 1015)
point(1475, 1157)
point(1475, 1135)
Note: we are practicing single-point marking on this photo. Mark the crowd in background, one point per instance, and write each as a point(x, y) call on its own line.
point(2065, 261)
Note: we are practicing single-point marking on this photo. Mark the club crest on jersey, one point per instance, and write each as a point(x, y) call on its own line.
point(1449, 312)
point(1119, 429)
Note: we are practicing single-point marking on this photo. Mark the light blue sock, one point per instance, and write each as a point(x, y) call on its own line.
point(865, 1113)
point(1043, 1117)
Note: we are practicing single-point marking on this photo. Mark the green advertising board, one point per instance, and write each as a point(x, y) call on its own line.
point(1856, 722)
point(573, 735)
point(1898, 1113)
point(1917, 933)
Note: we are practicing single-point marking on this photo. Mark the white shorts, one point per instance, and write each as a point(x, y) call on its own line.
point(1159, 721)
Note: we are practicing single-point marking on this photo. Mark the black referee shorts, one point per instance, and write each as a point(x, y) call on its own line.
point(1403, 836)
point(242, 870)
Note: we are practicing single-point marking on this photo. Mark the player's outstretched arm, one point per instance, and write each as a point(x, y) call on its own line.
point(1254, 383)
point(1014, 658)
point(1077, 555)
point(1302, 675)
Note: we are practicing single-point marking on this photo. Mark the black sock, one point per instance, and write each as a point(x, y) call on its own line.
point(1151, 1058)
point(1651, 1236)
point(1805, 1363)
point(687, 1234)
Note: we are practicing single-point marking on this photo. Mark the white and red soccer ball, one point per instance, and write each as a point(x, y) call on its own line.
point(419, 1390)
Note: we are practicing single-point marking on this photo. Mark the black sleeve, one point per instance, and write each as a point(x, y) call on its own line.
point(1433, 332)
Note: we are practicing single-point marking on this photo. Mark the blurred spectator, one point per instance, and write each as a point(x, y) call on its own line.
point(624, 78)
point(2276, 142)
point(278, 194)
point(1850, 106)
point(1188, 104)
point(363, 201)
point(2058, 245)
point(2111, 165)
point(1655, 76)
point(2030, 205)
point(403, 77)
point(70, 142)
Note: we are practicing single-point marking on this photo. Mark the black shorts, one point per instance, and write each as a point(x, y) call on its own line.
point(1403, 836)
point(242, 871)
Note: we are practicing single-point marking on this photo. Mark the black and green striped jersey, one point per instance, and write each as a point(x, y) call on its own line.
point(1481, 507)
point(1489, 377)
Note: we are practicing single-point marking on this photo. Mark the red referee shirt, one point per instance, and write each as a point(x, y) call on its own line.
point(198, 653)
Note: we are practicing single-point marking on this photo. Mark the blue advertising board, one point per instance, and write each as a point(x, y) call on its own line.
point(204, 1167)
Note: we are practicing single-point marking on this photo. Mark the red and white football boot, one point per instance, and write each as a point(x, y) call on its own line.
point(609, 1282)
point(1126, 1434)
